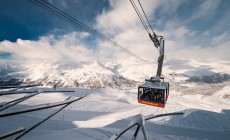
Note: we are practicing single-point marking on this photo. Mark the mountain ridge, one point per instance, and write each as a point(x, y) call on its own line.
point(124, 74)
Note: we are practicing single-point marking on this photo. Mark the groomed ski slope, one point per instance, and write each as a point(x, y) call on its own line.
point(105, 111)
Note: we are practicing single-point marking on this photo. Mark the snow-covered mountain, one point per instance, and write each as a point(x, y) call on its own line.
point(104, 112)
point(120, 74)
point(202, 72)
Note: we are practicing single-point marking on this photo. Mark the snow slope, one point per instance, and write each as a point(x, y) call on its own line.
point(105, 111)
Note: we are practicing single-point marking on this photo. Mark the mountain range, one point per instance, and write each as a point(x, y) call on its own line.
point(118, 74)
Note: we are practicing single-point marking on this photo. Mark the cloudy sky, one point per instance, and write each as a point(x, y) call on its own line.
point(193, 29)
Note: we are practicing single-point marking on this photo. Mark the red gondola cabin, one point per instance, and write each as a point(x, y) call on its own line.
point(153, 93)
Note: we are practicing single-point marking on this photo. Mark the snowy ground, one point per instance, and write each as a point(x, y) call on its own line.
point(105, 111)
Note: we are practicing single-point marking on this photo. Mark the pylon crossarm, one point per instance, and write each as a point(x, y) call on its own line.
point(162, 115)
point(14, 102)
point(11, 133)
point(116, 136)
point(136, 132)
point(139, 120)
point(144, 132)
point(38, 107)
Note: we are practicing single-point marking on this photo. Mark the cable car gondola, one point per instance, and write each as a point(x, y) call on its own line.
point(155, 91)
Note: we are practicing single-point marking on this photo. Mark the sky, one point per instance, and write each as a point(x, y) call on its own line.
point(193, 29)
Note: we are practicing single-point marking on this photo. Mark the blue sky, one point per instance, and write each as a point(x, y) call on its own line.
point(189, 26)
point(23, 19)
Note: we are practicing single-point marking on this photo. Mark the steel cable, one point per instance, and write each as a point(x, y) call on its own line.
point(66, 16)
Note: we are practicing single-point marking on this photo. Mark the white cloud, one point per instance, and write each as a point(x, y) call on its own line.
point(219, 49)
point(123, 26)
point(220, 39)
point(206, 33)
point(208, 54)
point(68, 47)
point(206, 8)
point(127, 30)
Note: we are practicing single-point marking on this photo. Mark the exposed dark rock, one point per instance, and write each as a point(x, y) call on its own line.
point(215, 78)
